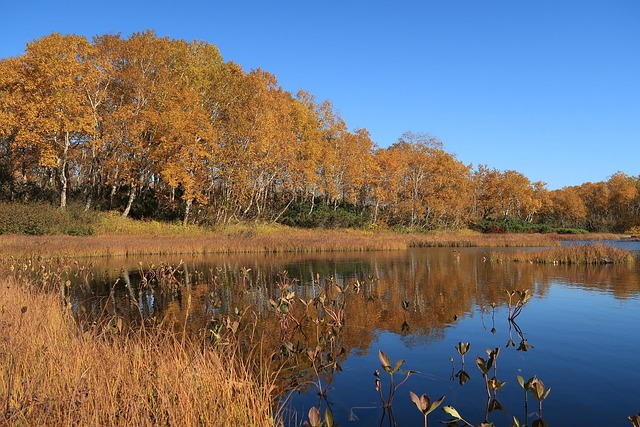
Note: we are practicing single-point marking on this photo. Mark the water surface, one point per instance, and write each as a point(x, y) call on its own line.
point(581, 329)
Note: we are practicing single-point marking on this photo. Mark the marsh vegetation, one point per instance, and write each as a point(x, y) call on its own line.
point(301, 334)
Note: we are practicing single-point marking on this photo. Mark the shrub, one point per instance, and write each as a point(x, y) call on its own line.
point(43, 218)
point(571, 231)
point(324, 216)
point(521, 226)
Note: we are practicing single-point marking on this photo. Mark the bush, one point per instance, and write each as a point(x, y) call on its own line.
point(324, 216)
point(520, 226)
point(571, 231)
point(42, 218)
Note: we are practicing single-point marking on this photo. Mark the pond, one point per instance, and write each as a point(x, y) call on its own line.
point(579, 333)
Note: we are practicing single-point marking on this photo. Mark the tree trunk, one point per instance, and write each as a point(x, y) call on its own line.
point(87, 206)
point(63, 185)
point(62, 172)
point(313, 204)
point(283, 210)
point(132, 196)
point(375, 212)
point(187, 210)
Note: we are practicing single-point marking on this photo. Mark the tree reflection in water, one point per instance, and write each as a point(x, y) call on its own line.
point(313, 312)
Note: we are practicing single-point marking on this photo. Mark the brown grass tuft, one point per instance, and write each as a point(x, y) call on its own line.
point(53, 374)
point(590, 254)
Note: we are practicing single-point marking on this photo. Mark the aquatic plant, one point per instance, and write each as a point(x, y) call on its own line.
point(425, 405)
point(539, 391)
point(456, 418)
point(462, 349)
point(523, 298)
point(461, 375)
point(526, 386)
point(393, 387)
point(315, 420)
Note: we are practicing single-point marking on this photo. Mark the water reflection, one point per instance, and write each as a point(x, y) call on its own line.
point(347, 306)
point(416, 294)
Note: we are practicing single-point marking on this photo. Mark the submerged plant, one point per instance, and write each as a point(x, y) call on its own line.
point(524, 344)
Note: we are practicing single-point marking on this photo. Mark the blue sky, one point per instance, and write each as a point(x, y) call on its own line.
point(548, 88)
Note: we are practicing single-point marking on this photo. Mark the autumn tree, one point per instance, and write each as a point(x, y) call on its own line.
point(505, 195)
point(155, 125)
point(307, 146)
point(565, 208)
point(595, 197)
point(426, 186)
point(12, 158)
point(171, 126)
point(54, 114)
point(331, 168)
point(623, 192)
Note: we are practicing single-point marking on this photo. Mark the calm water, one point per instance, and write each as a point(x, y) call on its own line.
point(583, 324)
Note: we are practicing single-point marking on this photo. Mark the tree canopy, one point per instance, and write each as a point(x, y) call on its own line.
point(162, 128)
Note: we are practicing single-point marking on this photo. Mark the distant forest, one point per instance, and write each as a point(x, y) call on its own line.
point(165, 129)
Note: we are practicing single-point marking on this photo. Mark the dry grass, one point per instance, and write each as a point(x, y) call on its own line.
point(136, 238)
point(291, 241)
point(592, 254)
point(474, 239)
point(53, 374)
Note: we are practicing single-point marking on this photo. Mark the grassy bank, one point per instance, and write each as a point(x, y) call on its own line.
point(54, 374)
point(43, 230)
point(257, 239)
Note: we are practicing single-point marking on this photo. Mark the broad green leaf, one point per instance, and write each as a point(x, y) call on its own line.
point(328, 417)
point(452, 411)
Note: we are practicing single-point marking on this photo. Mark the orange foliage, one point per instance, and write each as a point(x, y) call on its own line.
point(170, 124)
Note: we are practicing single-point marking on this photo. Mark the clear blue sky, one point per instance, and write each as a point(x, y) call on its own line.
point(549, 88)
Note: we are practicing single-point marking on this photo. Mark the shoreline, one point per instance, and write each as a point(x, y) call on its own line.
point(281, 241)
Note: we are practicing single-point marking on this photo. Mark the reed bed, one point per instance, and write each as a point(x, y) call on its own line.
point(471, 239)
point(291, 241)
point(256, 238)
point(585, 254)
point(52, 373)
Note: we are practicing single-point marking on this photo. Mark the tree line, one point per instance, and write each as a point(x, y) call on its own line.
point(166, 129)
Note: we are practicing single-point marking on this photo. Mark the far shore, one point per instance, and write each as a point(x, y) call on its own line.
point(280, 240)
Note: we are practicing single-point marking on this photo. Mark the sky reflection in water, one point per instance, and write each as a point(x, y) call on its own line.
point(583, 324)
